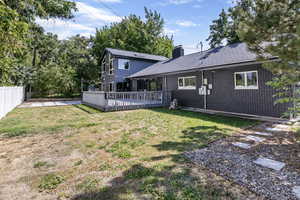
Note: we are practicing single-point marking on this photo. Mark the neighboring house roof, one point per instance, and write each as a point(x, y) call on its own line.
point(221, 56)
point(132, 54)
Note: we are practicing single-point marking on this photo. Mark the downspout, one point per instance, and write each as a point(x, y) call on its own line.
point(204, 96)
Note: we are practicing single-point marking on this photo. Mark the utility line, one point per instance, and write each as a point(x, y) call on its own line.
point(110, 8)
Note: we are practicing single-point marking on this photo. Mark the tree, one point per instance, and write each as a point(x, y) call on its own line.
point(78, 55)
point(18, 32)
point(273, 28)
point(12, 34)
point(134, 34)
point(224, 28)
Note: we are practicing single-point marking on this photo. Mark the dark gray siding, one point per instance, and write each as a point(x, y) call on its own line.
point(188, 98)
point(135, 66)
point(120, 75)
point(224, 97)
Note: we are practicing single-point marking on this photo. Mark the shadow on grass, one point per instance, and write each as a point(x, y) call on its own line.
point(140, 182)
point(230, 121)
point(87, 109)
point(171, 180)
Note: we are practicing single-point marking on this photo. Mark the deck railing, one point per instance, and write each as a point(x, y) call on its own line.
point(112, 101)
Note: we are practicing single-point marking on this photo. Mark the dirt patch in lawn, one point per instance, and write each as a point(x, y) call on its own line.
point(119, 155)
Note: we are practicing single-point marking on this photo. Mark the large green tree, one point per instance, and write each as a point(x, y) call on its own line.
point(223, 30)
point(135, 34)
point(12, 36)
point(272, 27)
point(18, 32)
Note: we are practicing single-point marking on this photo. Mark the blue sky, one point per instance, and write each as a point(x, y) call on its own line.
point(187, 20)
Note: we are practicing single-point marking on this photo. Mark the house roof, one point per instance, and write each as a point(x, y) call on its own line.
point(132, 54)
point(221, 56)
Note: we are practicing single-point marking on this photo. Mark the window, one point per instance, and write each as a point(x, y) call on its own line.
point(246, 80)
point(111, 66)
point(103, 65)
point(111, 87)
point(188, 83)
point(123, 64)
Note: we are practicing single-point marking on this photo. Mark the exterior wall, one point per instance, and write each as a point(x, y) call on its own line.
point(106, 78)
point(224, 97)
point(10, 97)
point(187, 98)
point(135, 66)
point(120, 75)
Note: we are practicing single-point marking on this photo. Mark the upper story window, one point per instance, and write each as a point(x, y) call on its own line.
point(123, 64)
point(103, 64)
point(187, 83)
point(246, 80)
point(111, 66)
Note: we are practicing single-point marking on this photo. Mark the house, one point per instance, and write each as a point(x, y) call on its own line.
point(117, 65)
point(227, 79)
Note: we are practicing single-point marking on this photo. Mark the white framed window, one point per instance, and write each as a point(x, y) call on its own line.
point(246, 80)
point(123, 64)
point(111, 66)
point(187, 83)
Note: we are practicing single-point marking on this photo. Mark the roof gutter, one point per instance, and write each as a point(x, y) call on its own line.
point(208, 68)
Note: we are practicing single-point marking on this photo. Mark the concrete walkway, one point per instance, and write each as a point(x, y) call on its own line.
point(48, 104)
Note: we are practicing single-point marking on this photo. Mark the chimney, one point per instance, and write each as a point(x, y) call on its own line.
point(178, 52)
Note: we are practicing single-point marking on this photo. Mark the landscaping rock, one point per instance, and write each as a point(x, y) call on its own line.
point(263, 133)
point(255, 138)
point(272, 164)
point(225, 160)
point(242, 145)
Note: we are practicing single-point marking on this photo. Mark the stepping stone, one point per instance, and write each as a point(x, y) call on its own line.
point(296, 191)
point(242, 145)
point(263, 133)
point(272, 164)
point(254, 138)
point(282, 126)
point(274, 129)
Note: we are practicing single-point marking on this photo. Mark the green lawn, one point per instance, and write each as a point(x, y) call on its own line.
point(117, 155)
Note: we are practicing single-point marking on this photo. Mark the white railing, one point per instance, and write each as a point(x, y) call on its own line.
point(126, 100)
point(10, 97)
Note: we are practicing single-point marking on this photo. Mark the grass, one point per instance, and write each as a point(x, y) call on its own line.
point(298, 134)
point(124, 155)
point(50, 181)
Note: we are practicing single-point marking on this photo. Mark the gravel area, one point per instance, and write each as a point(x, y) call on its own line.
point(228, 161)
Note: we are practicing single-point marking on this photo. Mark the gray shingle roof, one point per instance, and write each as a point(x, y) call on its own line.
point(133, 54)
point(231, 54)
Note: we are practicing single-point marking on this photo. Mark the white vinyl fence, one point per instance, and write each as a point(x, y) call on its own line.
point(10, 97)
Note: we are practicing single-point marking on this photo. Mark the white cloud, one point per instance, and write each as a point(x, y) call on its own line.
point(93, 13)
point(186, 23)
point(65, 29)
point(58, 23)
point(109, 1)
point(178, 2)
point(169, 31)
point(87, 18)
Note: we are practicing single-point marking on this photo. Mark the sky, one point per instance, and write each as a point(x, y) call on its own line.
point(187, 20)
